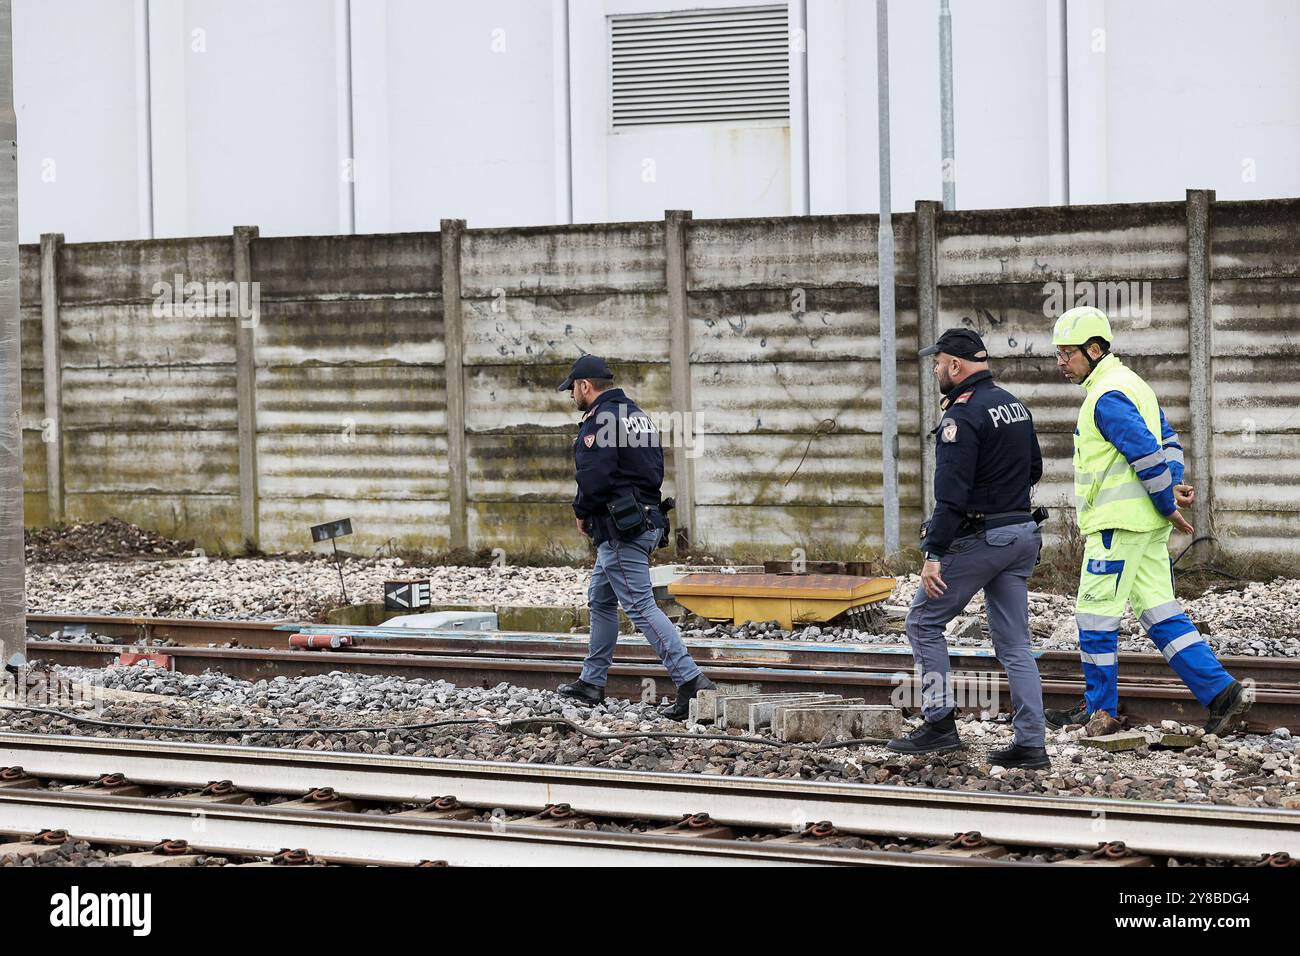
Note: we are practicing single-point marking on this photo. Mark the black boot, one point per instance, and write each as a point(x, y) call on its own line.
point(584, 693)
point(1018, 755)
point(1227, 708)
point(932, 737)
point(680, 708)
point(1078, 714)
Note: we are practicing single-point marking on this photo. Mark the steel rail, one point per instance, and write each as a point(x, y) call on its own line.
point(188, 632)
point(387, 839)
point(1275, 706)
point(1165, 829)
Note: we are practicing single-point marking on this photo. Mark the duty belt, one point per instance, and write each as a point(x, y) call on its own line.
point(978, 521)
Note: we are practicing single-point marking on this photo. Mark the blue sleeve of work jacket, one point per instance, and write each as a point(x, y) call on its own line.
point(1121, 424)
point(1172, 448)
point(956, 454)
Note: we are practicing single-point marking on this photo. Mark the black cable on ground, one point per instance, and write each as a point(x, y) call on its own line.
point(512, 724)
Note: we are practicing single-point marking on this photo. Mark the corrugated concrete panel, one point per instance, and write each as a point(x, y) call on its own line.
point(769, 530)
point(360, 463)
point(1256, 317)
point(797, 397)
point(783, 253)
point(285, 523)
point(384, 331)
point(1256, 471)
point(521, 467)
point(1017, 319)
point(346, 266)
point(503, 398)
point(549, 260)
point(1130, 241)
point(765, 325)
point(1256, 395)
point(1255, 534)
point(1255, 239)
point(98, 272)
point(172, 398)
point(212, 521)
point(524, 328)
point(100, 336)
point(332, 399)
point(812, 470)
point(526, 530)
point(29, 275)
point(149, 462)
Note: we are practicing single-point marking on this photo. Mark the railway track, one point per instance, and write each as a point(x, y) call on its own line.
point(372, 809)
point(1149, 692)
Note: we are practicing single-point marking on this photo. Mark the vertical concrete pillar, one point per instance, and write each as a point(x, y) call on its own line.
point(13, 603)
point(1200, 327)
point(246, 391)
point(927, 314)
point(453, 331)
point(52, 349)
point(679, 354)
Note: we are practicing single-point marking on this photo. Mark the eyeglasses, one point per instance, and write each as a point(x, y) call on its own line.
point(1065, 355)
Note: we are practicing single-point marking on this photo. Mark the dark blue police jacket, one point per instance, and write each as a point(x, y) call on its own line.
point(986, 458)
point(617, 450)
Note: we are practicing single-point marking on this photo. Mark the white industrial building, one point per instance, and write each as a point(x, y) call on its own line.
point(158, 118)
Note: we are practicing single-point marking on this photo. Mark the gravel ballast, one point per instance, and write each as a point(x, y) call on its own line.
point(1245, 770)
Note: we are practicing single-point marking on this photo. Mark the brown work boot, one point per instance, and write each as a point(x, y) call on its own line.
point(1100, 724)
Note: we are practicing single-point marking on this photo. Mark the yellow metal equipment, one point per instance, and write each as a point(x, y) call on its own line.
point(788, 598)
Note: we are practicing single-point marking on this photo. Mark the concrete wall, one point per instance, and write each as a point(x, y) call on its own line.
point(152, 118)
point(349, 369)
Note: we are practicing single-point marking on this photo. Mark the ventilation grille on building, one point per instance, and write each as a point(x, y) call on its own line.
point(703, 66)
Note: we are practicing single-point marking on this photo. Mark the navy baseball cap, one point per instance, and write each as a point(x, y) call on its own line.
point(961, 343)
point(589, 366)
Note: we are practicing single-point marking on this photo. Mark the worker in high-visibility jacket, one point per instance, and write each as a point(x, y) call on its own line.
point(1128, 486)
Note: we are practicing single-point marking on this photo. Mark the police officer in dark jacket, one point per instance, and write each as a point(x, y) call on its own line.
point(620, 466)
point(981, 536)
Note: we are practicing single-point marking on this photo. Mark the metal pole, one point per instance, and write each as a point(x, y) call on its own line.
point(945, 106)
point(13, 600)
point(335, 545)
point(888, 352)
point(1065, 103)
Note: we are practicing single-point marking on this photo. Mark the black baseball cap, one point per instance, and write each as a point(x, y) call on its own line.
point(961, 343)
point(589, 366)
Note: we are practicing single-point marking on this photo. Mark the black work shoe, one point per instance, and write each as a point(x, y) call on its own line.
point(584, 693)
point(1227, 708)
point(680, 708)
point(1018, 755)
point(932, 737)
point(1078, 714)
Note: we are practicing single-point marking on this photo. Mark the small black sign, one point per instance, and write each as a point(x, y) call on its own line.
point(331, 529)
point(406, 595)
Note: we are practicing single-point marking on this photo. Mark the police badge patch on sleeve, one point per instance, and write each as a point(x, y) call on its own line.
point(589, 440)
point(948, 431)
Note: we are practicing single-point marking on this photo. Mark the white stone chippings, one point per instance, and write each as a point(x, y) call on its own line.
point(1244, 770)
point(265, 588)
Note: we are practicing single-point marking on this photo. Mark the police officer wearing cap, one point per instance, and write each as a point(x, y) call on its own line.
point(982, 535)
point(620, 468)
